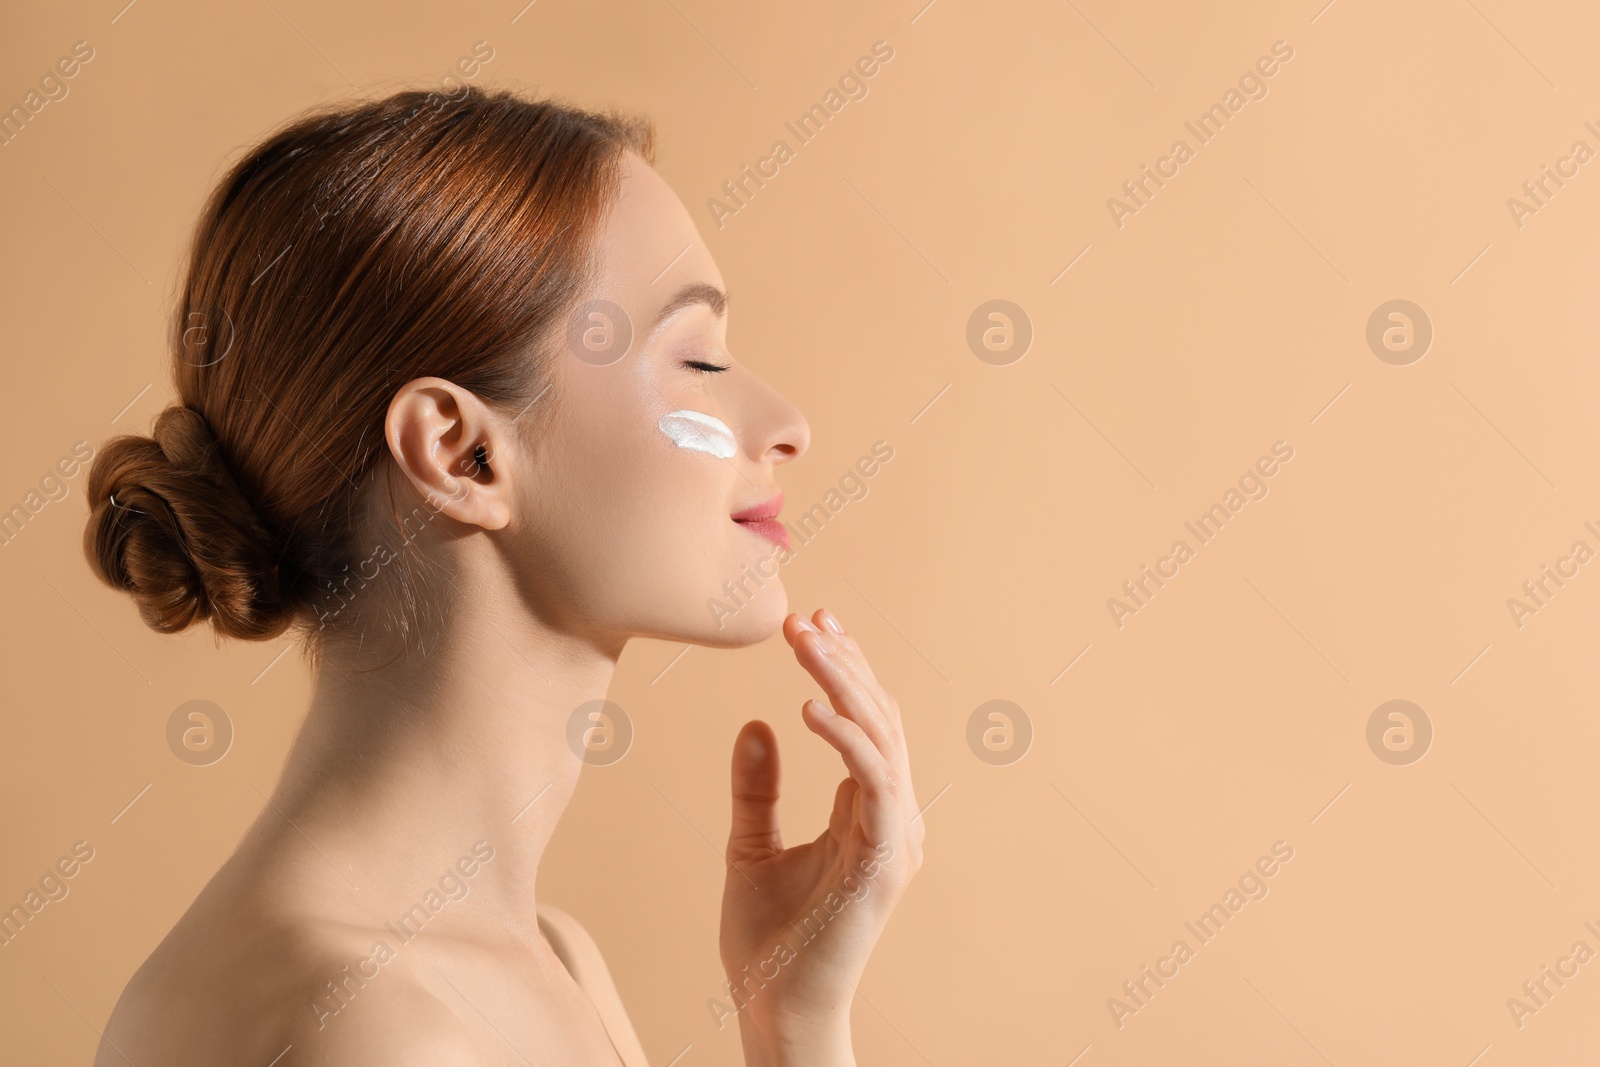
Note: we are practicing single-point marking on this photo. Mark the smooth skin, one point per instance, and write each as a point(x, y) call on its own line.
point(825, 901)
point(587, 527)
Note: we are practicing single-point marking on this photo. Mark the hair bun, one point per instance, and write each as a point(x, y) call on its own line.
point(170, 525)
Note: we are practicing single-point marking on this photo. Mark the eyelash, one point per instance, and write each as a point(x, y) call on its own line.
point(704, 367)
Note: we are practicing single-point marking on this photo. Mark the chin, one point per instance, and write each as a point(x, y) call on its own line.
point(747, 618)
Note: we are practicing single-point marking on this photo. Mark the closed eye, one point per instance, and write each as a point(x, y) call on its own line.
point(704, 367)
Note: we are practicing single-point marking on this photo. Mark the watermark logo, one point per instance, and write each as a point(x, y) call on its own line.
point(53, 88)
point(53, 487)
point(1252, 485)
point(999, 732)
point(1537, 992)
point(1540, 190)
point(599, 732)
point(1251, 886)
point(739, 191)
point(745, 985)
point(336, 993)
point(1399, 332)
point(1204, 128)
point(999, 332)
point(53, 886)
point(1537, 592)
point(207, 339)
point(599, 332)
point(740, 591)
point(199, 733)
point(1399, 732)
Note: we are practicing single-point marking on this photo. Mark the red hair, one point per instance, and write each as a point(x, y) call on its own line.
point(352, 251)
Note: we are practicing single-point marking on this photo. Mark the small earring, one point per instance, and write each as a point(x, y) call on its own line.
point(481, 456)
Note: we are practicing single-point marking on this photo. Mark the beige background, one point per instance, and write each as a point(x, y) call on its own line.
point(1226, 315)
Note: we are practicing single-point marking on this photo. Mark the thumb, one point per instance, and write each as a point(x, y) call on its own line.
point(844, 815)
point(754, 833)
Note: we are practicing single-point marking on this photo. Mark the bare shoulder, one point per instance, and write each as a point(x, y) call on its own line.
point(575, 947)
point(582, 957)
point(401, 1025)
point(288, 994)
point(563, 923)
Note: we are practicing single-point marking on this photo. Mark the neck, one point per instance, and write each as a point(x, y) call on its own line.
point(406, 763)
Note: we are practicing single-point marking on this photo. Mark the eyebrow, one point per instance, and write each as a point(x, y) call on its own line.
point(694, 293)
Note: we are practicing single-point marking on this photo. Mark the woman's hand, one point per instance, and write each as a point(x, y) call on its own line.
point(799, 923)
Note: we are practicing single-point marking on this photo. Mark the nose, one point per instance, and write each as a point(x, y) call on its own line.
point(774, 429)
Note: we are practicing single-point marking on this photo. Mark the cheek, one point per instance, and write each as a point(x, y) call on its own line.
point(695, 431)
point(630, 528)
point(633, 500)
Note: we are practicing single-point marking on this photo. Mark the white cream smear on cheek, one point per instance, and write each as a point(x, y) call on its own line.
point(698, 432)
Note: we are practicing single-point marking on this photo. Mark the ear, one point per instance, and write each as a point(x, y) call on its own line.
point(438, 432)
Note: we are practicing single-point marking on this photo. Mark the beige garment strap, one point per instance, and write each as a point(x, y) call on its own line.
point(581, 956)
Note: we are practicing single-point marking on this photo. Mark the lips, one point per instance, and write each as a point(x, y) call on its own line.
point(762, 519)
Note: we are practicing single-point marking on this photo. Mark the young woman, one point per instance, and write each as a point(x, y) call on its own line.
point(454, 402)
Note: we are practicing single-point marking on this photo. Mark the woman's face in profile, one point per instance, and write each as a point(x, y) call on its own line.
point(655, 439)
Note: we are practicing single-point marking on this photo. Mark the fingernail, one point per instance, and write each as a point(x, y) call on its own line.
point(804, 624)
point(830, 622)
point(822, 709)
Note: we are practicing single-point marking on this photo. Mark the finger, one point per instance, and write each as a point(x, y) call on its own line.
point(856, 662)
point(754, 832)
point(823, 657)
point(793, 626)
point(844, 810)
point(856, 659)
point(875, 779)
point(891, 741)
